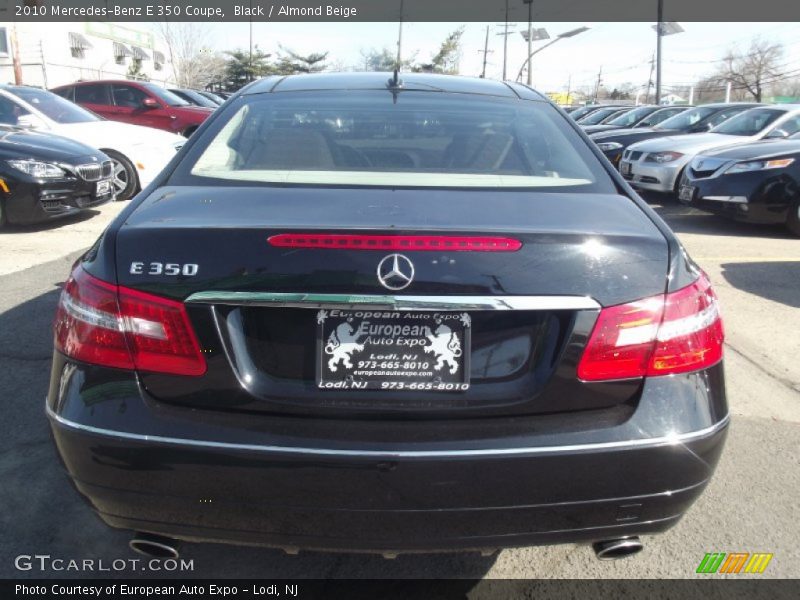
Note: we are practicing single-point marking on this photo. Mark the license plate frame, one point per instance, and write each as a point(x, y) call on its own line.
point(387, 350)
point(686, 193)
point(104, 187)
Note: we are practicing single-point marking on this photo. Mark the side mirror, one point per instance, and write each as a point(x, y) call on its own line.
point(777, 134)
point(150, 103)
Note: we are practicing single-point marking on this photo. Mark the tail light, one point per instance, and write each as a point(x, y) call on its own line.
point(674, 333)
point(113, 326)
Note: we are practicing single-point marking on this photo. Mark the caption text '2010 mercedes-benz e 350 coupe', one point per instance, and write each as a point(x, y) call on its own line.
point(389, 314)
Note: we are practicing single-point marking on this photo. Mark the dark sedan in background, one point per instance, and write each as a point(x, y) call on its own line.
point(194, 97)
point(360, 313)
point(578, 113)
point(695, 120)
point(603, 115)
point(757, 183)
point(641, 116)
point(47, 176)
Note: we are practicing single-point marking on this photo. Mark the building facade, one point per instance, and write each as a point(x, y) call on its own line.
point(53, 54)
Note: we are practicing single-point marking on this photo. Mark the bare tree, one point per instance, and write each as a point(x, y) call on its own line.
point(752, 70)
point(194, 64)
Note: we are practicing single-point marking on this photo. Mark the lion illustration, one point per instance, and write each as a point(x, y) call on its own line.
point(445, 346)
point(342, 342)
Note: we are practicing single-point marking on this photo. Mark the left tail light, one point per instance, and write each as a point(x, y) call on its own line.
point(113, 326)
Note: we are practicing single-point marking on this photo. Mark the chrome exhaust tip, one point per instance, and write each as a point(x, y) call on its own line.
point(620, 548)
point(154, 546)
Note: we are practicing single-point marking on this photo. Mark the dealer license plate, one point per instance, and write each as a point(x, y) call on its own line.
point(393, 350)
point(686, 193)
point(103, 188)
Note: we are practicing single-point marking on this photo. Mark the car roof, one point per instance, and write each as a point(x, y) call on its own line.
point(105, 81)
point(380, 81)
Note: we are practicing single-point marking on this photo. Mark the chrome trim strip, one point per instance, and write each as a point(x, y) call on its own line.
point(678, 438)
point(354, 301)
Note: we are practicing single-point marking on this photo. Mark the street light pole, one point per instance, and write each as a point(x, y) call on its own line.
point(561, 36)
point(530, 38)
point(659, 34)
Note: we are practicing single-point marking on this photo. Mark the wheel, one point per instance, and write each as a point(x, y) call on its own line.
point(189, 131)
point(124, 178)
point(677, 187)
point(793, 220)
point(3, 219)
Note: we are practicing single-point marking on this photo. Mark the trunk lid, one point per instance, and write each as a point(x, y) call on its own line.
point(263, 355)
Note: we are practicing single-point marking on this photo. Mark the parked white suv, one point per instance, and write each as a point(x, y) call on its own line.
point(139, 153)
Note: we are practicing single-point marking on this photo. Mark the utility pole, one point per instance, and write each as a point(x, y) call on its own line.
point(485, 53)
point(250, 59)
point(400, 40)
point(505, 44)
point(15, 56)
point(728, 92)
point(659, 34)
point(569, 88)
point(530, 39)
point(650, 80)
point(599, 81)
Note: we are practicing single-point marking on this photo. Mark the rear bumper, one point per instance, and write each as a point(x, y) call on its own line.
point(188, 475)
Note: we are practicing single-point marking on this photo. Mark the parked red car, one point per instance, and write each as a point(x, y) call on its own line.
point(136, 102)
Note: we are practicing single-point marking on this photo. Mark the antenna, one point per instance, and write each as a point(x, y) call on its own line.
point(395, 84)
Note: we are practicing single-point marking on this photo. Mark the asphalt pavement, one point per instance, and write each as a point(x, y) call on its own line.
point(751, 505)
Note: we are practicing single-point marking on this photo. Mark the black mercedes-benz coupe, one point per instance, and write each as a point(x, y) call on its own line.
point(45, 176)
point(757, 183)
point(389, 314)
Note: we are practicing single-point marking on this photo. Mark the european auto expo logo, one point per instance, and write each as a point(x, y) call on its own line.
point(734, 562)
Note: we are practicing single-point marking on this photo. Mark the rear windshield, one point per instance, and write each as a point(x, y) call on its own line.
point(409, 139)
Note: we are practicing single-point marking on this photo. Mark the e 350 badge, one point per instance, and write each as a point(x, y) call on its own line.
point(158, 268)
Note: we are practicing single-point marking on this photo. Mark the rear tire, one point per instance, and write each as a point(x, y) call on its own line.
point(793, 220)
point(189, 131)
point(125, 180)
point(3, 218)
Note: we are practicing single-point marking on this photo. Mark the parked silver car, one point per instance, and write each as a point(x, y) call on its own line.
point(657, 164)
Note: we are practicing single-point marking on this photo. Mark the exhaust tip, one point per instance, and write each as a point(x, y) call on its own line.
point(615, 549)
point(154, 546)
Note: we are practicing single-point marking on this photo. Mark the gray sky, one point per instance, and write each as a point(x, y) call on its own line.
point(623, 50)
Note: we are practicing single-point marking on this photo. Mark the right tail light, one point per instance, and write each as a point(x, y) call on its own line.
point(662, 335)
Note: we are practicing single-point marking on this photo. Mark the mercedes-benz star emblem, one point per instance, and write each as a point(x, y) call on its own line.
point(395, 272)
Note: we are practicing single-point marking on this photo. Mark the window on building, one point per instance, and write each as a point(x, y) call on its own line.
point(158, 60)
point(78, 45)
point(121, 52)
point(3, 41)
